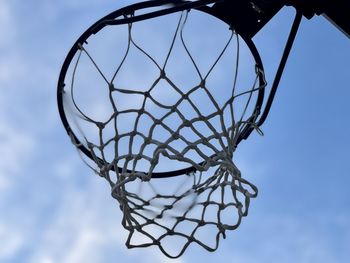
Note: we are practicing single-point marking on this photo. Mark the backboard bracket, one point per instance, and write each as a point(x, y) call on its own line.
point(249, 17)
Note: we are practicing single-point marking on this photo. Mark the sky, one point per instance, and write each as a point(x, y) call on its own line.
point(55, 209)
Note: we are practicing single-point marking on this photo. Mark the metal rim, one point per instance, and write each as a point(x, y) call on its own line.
point(179, 5)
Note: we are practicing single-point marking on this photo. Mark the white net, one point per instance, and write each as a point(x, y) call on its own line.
point(162, 95)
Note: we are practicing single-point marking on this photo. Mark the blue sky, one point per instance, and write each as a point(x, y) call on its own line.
point(54, 209)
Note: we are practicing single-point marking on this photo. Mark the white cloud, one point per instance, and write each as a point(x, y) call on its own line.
point(11, 68)
point(10, 241)
point(15, 149)
point(8, 25)
point(86, 225)
point(66, 167)
point(75, 233)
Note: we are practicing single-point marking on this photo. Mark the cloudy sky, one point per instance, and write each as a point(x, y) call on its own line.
point(54, 209)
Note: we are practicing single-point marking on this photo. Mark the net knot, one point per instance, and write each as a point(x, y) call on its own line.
point(90, 145)
point(143, 176)
point(191, 239)
point(187, 123)
point(157, 122)
point(128, 158)
point(162, 74)
point(201, 223)
point(222, 206)
point(111, 87)
point(175, 136)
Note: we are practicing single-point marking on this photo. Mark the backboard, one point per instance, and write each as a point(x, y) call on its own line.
point(337, 12)
point(251, 16)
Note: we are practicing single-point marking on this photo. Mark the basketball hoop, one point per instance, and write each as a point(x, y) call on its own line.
point(143, 105)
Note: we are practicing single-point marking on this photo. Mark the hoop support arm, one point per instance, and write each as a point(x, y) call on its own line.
point(286, 52)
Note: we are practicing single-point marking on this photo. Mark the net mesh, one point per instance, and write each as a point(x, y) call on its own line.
point(204, 204)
